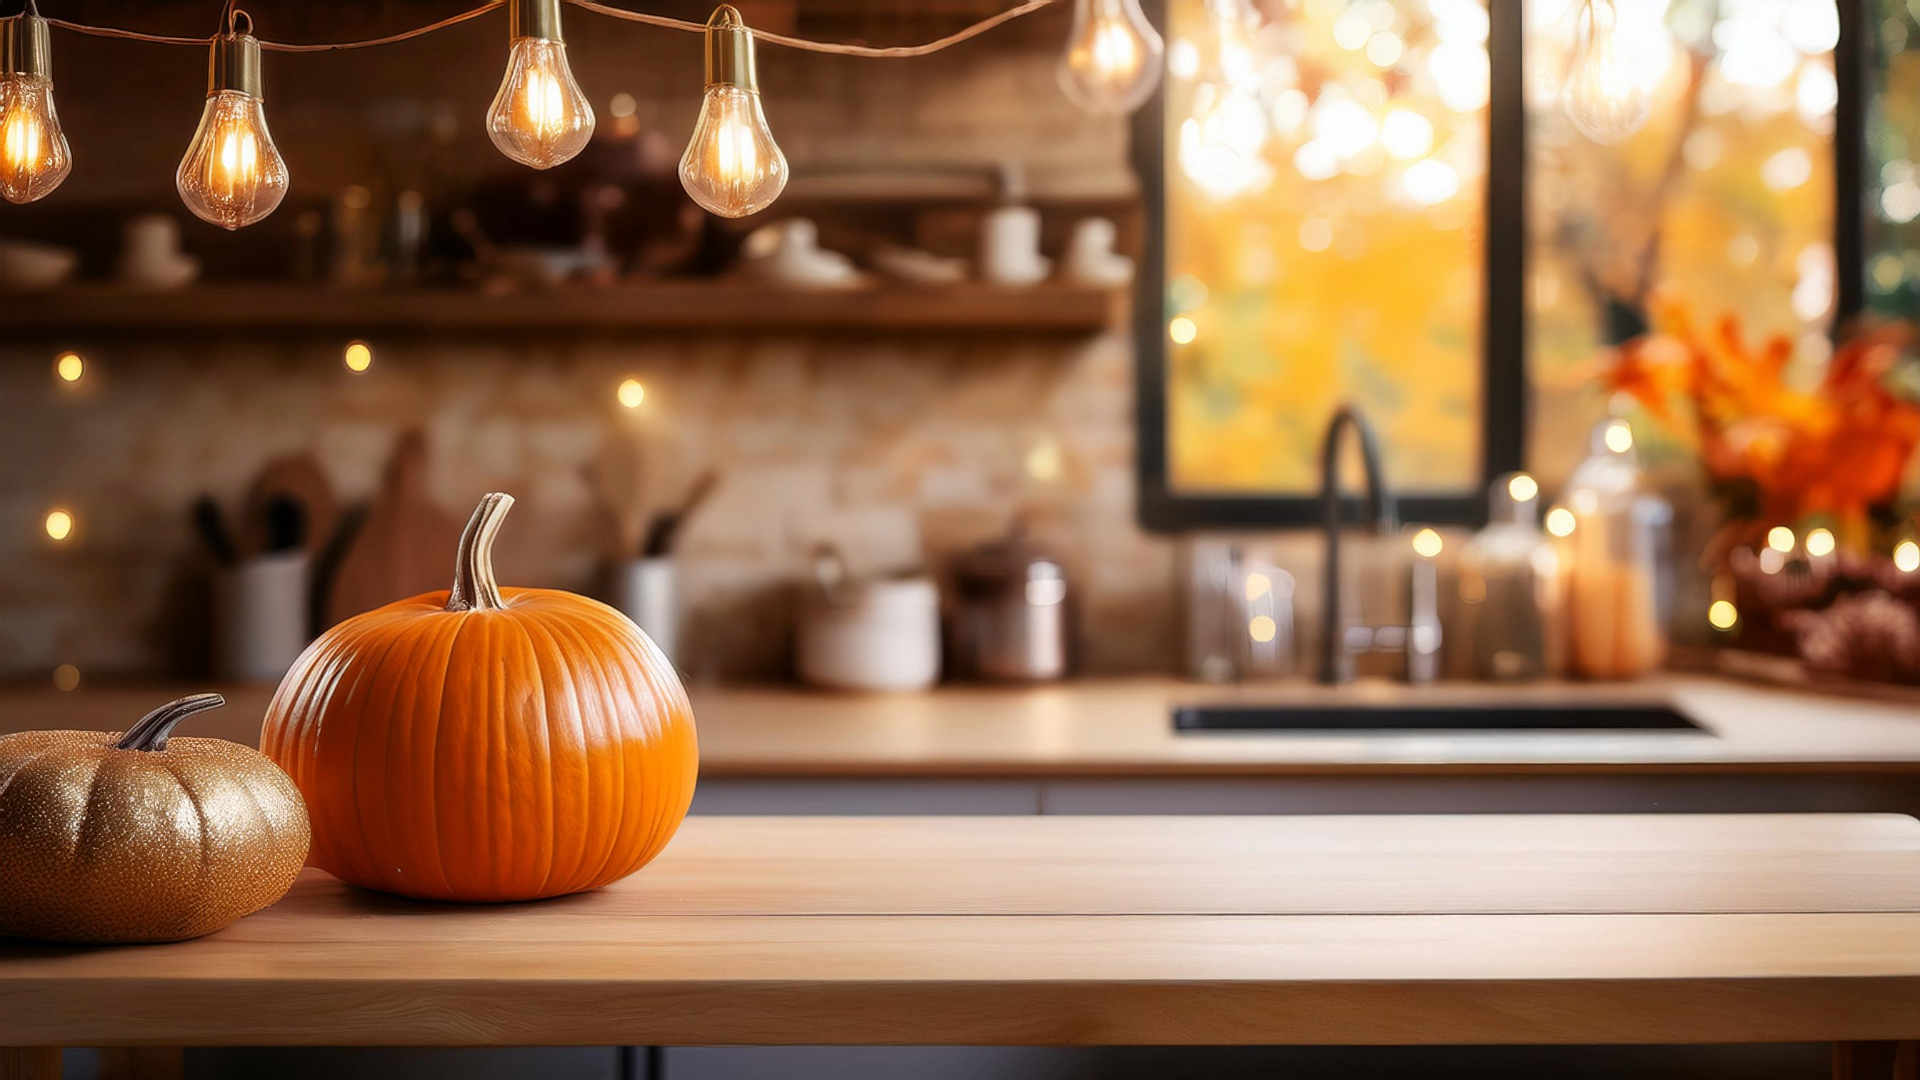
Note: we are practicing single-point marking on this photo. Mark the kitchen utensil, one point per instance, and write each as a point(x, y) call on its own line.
point(664, 531)
point(1011, 616)
point(879, 633)
point(619, 477)
point(213, 531)
point(401, 548)
point(290, 504)
point(260, 615)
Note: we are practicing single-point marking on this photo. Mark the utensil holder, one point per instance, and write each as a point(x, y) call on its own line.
point(647, 591)
point(260, 616)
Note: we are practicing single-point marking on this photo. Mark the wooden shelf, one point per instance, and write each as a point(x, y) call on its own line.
point(719, 306)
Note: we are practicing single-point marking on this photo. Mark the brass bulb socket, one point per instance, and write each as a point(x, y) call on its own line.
point(25, 48)
point(730, 51)
point(533, 19)
point(234, 64)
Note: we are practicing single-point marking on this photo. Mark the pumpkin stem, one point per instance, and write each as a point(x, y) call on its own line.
point(474, 588)
point(152, 730)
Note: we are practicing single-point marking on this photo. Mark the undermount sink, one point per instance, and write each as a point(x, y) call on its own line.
point(1364, 719)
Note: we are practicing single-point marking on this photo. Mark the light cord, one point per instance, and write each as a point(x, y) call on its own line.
point(807, 44)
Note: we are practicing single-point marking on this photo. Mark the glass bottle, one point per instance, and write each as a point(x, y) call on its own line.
point(1512, 584)
point(1617, 574)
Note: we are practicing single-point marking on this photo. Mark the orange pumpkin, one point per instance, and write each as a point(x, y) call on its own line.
point(485, 743)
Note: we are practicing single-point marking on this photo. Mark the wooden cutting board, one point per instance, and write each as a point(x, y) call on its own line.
point(404, 547)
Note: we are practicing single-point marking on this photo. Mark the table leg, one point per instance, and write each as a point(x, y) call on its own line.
point(29, 1063)
point(1876, 1061)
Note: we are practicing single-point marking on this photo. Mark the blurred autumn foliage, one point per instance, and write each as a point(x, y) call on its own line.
point(1835, 452)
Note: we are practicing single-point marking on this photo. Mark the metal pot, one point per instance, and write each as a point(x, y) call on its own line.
point(1011, 613)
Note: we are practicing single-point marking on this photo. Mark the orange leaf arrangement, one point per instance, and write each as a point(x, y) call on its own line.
point(485, 744)
point(1777, 454)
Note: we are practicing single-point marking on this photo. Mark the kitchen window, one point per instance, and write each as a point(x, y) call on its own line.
point(1395, 209)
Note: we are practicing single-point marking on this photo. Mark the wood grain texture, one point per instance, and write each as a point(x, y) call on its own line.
point(29, 1063)
point(1073, 931)
point(1123, 727)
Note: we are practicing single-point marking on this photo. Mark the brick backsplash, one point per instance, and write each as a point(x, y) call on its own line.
point(901, 450)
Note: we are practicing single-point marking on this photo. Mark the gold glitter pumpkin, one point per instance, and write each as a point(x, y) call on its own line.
point(138, 837)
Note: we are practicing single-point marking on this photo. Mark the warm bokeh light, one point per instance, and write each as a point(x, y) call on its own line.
point(1261, 628)
point(1780, 538)
point(1722, 614)
point(66, 677)
point(1522, 487)
point(1258, 585)
point(1619, 437)
point(1560, 521)
point(1820, 543)
point(358, 357)
point(70, 367)
point(1182, 330)
point(59, 524)
point(1906, 557)
point(631, 393)
point(1043, 461)
point(1426, 543)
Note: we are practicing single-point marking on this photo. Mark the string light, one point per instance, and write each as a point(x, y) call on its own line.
point(358, 356)
point(232, 174)
point(1112, 60)
point(1780, 538)
point(1603, 96)
point(1560, 521)
point(632, 393)
point(59, 524)
point(539, 118)
point(1820, 543)
point(69, 367)
point(33, 150)
point(732, 166)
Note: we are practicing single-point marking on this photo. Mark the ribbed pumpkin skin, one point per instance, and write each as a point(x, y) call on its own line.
point(541, 748)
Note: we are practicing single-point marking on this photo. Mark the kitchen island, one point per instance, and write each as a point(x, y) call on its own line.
point(1075, 931)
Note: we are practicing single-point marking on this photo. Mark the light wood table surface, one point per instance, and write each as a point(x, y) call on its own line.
point(1076, 931)
point(1123, 728)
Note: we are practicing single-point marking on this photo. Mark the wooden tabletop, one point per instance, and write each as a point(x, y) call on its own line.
point(1371, 930)
point(1123, 727)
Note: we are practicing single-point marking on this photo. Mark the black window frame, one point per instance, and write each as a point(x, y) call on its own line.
point(1504, 391)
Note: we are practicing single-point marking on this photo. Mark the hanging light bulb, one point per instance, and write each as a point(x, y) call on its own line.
point(33, 150)
point(1112, 62)
point(1224, 137)
point(539, 118)
point(732, 166)
point(1603, 95)
point(232, 174)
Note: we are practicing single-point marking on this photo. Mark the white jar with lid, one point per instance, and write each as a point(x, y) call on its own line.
point(875, 634)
